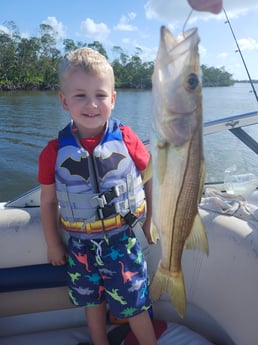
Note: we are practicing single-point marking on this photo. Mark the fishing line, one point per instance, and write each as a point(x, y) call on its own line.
point(240, 52)
point(186, 21)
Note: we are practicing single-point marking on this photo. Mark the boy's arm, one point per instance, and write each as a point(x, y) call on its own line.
point(50, 221)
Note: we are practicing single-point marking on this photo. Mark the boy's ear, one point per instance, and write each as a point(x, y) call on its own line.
point(63, 100)
point(113, 100)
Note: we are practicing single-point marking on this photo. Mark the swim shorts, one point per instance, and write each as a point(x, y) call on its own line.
point(111, 269)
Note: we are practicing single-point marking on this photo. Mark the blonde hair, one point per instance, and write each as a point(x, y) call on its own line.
point(88, 60)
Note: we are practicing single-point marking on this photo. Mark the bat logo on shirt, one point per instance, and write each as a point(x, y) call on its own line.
point(80, 168)
point(103, 165)
point(110, 163)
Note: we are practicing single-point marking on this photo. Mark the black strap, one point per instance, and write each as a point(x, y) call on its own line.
point(131, 219)
point(118, 334)
point(106, 211)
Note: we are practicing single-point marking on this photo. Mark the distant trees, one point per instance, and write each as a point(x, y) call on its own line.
point(212, 76)
point(130, 71)
point(32, 63)
point(27, 63)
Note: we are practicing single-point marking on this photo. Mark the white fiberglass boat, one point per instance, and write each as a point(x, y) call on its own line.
point(221, 288)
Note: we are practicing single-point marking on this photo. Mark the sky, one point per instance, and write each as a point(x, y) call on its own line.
point(136, 24)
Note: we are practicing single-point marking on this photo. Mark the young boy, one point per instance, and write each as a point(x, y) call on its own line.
point(93, 173)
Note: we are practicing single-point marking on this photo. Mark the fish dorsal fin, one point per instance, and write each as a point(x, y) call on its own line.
point(197, 238)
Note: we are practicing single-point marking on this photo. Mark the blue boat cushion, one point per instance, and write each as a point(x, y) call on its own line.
point(32, 277)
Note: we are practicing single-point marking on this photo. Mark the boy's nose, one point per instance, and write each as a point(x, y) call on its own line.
point(91, 102)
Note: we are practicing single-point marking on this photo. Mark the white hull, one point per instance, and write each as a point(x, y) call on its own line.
point(221, 288)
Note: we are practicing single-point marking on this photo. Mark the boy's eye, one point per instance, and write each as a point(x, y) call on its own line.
point(101, 95)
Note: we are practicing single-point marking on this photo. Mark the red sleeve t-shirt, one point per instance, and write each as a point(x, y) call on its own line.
point(47, 158)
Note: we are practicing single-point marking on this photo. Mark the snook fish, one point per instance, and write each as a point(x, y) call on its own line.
point(178, 168)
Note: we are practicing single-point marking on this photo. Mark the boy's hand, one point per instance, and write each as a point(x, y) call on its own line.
point(213, 6)
point(57, 255)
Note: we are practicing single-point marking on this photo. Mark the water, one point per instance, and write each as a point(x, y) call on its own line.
point(29, 119)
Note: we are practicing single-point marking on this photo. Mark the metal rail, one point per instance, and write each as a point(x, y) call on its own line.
point(231, 122)
point(234, 124)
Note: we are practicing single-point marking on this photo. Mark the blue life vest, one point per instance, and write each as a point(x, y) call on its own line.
point(98, 186)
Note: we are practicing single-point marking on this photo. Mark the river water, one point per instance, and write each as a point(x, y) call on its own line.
point(29, 119)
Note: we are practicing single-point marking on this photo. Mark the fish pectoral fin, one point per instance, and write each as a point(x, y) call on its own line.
point(198, 237)
point(173, 284)
point(154, 233)
point(162, 161)
point(147, 172)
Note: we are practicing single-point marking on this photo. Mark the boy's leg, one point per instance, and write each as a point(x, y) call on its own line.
point(142, 327)
point(96, 319)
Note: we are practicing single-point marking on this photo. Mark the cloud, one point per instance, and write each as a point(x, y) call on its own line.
point(166, 10)
point(247, 44)
point(5, 29)
point(202, 50)
point(148, 54)
point(10, 32)
point(222, 55)
point(124, 23)
point(175, 12)
point(95, 31)
point(57, 26)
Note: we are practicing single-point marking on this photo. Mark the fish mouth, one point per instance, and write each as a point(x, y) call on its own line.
point(175, 114)
point(173, 117)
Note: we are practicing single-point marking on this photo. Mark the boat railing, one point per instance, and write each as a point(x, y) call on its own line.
point(30, 198)
point(230, 123)
point(234, 124)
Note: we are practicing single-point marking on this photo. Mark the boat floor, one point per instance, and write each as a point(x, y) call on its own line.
point(67, 327)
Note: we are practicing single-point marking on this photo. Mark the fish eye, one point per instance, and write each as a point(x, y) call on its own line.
point(192, 81)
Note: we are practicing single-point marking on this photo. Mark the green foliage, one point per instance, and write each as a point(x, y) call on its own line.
point(212, 76)
point(32, 63)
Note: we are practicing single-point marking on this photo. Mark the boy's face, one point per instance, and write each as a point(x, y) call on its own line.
point(89, 99)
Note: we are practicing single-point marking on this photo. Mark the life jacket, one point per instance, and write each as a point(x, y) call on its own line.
point(97, 192)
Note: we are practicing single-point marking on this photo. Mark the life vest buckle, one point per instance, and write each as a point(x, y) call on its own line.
point(110, 194)
point(105, 197)
point(106, 211)
point(131, 219)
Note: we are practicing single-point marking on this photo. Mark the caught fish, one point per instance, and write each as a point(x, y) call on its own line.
point(178, 168)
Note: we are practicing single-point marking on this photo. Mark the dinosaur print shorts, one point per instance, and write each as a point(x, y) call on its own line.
point(112, 269)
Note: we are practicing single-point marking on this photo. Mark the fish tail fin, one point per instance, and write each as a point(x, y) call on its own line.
point(174, 285)
point(176, 290)
point(198, 237)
